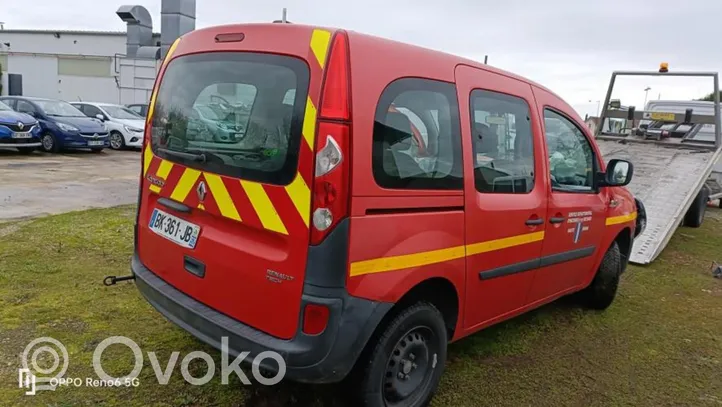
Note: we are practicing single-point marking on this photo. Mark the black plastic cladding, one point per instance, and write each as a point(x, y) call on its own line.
point(327, 263)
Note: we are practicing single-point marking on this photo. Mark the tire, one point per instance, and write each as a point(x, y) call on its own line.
point(403, 366)
point(26, 150)
point(695, 214)
point(601, 292)
point(96, 150)
point(49, 143)
point(117, 141)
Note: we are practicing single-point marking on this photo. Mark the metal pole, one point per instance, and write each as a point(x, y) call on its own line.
point(600, 128)
point(486, 59)
point(283, 18)
point(717, 137)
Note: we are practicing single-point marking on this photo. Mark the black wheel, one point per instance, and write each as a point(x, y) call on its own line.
point(117, 141)
point(49, 143)
point(404, 365)
point(695, 213)
point(96, 150)
point(601, 292)
point(26, 150)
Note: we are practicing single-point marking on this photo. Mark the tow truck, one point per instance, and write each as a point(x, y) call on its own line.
point(675, 147)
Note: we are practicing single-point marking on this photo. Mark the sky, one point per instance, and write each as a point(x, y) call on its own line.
point(569, 46)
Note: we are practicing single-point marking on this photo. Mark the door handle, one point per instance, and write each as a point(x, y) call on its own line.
point(534, 222)
point(556, 219)
point(169, 203)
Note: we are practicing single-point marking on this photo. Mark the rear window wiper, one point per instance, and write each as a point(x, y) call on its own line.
point(187, 156)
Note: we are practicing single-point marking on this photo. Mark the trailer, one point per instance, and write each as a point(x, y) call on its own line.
point(675, 149)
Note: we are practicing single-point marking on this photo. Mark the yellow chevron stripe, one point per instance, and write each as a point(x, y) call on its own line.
point(300, 195)
point(309, 123)
point(147, 159)
point(185, 184)
point(498, 244)
point(392, 263)
point(319, 45)
point(615, 220)
point(221, 196)
point(201, 207)
point(163, 170)
point(263, 207)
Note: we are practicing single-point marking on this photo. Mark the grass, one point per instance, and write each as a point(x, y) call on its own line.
point(660, 344)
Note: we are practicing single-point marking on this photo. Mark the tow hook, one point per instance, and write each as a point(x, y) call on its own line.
point(112, 280)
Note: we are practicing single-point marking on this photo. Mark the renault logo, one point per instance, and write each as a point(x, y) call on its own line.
point(201, 190)
point(20, 126)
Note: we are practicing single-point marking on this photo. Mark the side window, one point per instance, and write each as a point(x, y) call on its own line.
point(417, 137)
point(91, 111)
point(135, 108)
point(11, 102)
point(503, 143)
point(80, 107)
point(25, 107)
point(571, 158)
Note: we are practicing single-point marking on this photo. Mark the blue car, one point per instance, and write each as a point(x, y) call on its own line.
point(18, 130)
point(62, 126)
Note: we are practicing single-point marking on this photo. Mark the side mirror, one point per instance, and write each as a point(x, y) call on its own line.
point(100, 117)
point(619, 173)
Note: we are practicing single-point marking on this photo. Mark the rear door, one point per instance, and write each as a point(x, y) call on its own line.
point(506, 196)
point(225, 197)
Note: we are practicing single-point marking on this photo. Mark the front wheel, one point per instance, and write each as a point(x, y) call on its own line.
point(49, 143)
point(117, 141)
point(601, 292)
point(404, 366)
point(695, 213)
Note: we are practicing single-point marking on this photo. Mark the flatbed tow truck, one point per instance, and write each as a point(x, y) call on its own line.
point(674, 154)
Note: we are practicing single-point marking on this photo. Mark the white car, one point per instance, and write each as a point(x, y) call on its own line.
point(124, 125)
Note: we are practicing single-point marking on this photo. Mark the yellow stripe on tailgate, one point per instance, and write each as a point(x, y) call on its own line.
point(309, 123)
point(147, 159)
point(163, 170)
point(404, 261)
point(185, 184)
point(221, 196)
point(615, 220)
point(319, 45)
point(300, 195)
point(264, 207)
point(498, 244)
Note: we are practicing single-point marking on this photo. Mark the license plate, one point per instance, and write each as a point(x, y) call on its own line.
point(22, 135)
point(174, 229)
point(96, 142)
point(662, 116)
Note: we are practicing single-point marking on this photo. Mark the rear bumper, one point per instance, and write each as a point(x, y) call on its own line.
point(324, 358)
point(18, 145)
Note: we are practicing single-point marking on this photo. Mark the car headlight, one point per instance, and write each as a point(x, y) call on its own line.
point(133, 129)
point(67, 127)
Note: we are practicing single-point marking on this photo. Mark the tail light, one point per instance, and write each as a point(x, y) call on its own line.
point(333, 144)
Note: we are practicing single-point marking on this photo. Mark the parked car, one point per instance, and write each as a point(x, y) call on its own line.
point(18, 130)
point(62, 125)
point(336, 235)
point(125, 127)
point(139, 108)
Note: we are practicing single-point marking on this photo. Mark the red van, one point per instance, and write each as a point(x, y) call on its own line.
point(355, 204)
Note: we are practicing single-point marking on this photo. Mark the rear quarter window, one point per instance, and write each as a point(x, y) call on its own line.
point(230, 113)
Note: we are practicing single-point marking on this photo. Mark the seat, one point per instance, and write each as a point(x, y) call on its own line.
point(392, 140)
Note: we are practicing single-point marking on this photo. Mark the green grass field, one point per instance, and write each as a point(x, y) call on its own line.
point(660, 344)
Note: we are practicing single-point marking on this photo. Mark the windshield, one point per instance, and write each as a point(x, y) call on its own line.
point(3, 106)
point(120, 112)
point(224, 112)
point(59, 108)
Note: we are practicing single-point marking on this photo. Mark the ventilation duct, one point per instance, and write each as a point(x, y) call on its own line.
point(177, 17)
point(140, 28)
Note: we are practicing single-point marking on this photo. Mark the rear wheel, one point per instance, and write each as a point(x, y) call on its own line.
point(404, 365)
point(695, 213)
point(26, 150)
point(117, 141)
point(49, 143)
point(601, 292)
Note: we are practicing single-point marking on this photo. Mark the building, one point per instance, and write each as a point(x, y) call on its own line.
point(71, 65)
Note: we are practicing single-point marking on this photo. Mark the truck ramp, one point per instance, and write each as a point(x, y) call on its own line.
point(666, 179)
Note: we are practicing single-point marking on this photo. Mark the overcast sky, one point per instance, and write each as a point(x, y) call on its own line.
point(570, 46)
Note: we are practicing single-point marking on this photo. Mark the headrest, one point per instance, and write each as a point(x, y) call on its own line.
point(396, 128)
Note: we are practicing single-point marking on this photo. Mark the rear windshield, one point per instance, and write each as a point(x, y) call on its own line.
point(230, 113)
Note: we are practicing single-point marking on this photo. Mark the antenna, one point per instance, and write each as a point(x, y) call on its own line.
point(283, 18)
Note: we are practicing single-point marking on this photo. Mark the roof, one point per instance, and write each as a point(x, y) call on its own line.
point(74, 32)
